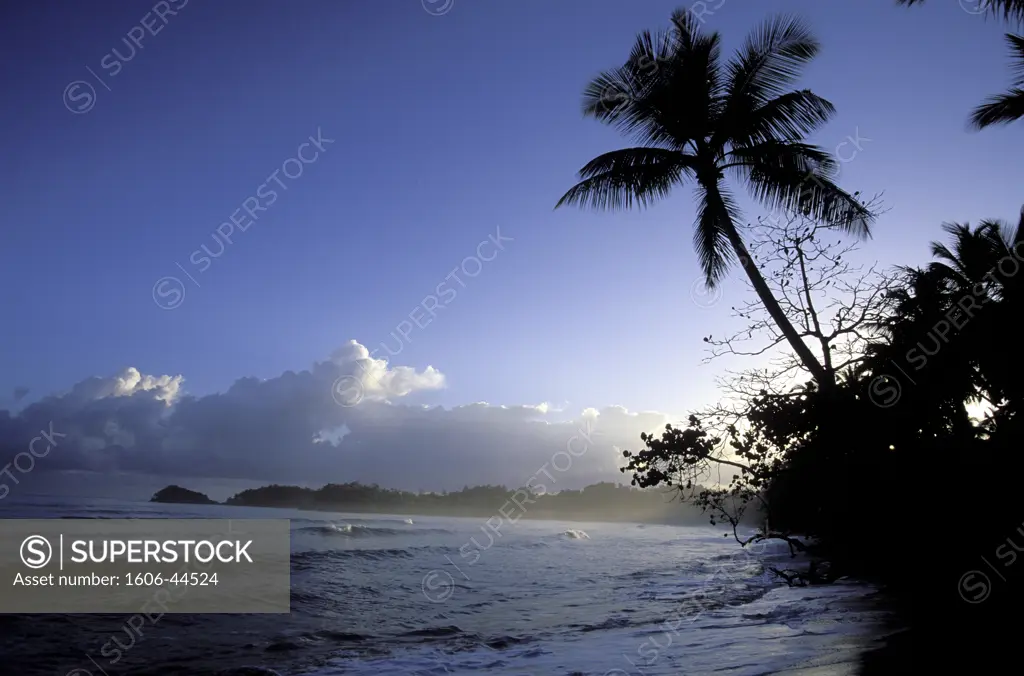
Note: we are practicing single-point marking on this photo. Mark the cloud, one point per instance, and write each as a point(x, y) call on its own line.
point(374, 379)
point(292, 428)
point(127, 383)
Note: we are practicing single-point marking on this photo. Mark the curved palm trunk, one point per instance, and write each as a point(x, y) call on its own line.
point(825, 379)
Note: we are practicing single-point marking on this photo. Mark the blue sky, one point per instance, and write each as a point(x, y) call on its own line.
point(444, 128)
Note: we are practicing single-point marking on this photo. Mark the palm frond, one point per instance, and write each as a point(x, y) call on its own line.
point(1008, 10)
point(798, 177)
point(1016, 43)
point(716, 213)
point(1008, 107)
point(771, 59)
point(975, 252)
point(619, 97)
point(788, 117)
point(642, 97)
point(950, 265)
point(622, 178)
point(666, 92)
point(686, 29)
point(629, 81)
point(1015, 237)
point(958, 232)
point(942, 252)
point(783, 156)
point(999, 109)
point(995, 235)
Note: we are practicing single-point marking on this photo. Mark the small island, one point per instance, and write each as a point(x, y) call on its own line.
point(179, 495)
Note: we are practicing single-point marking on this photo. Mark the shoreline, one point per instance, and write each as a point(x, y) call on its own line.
point(487, 502)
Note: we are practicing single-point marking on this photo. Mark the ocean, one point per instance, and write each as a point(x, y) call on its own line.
point(405, 594)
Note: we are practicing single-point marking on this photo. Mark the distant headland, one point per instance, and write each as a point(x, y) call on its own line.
point(598, 502)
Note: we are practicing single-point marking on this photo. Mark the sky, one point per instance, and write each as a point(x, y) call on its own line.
point(379, 157)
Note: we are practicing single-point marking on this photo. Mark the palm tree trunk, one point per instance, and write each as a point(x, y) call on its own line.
point(825, 379)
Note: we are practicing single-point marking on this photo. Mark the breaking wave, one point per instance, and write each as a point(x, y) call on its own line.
point(352, 530)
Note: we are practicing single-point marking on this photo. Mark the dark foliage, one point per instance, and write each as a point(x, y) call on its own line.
point(908, 472)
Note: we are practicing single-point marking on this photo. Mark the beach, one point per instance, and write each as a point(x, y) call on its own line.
point(402, 594)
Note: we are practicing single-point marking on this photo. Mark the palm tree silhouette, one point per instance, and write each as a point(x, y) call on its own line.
point(987, 264)
point(974, 256)
point(1007, 107)
point(695, 118)
point(957, 318)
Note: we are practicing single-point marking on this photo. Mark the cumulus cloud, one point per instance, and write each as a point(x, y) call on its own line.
point(127, 383)
point(294, 428)
point(367, 378)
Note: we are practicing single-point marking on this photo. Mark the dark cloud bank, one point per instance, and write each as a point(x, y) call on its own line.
point(336, 422)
